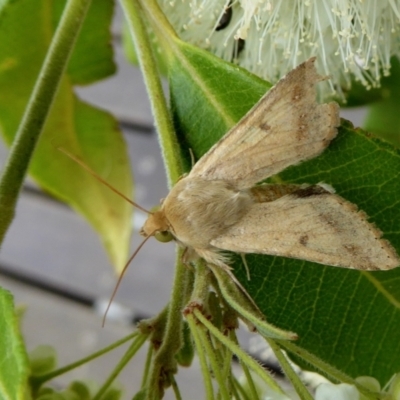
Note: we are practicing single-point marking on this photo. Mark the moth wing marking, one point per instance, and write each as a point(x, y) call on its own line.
point(322, 228)
point(285, 127)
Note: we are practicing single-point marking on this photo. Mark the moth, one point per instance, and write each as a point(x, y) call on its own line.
point(219, 207)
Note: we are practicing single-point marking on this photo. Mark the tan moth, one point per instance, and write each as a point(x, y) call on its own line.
point(218, 207)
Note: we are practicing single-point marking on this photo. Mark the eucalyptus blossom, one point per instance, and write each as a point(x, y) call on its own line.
point(352, 39)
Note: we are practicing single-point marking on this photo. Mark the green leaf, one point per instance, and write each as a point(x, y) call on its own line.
point(113, 393)
point(81, 389)
point(44, 392)
point(383, 117)
point(14, 367)
point(86, 132)
point(348, 318)
point(92, 58)
point(204, 105)
point(64, 395)
point(141, 395)
point(43, 359)
point(359, 95)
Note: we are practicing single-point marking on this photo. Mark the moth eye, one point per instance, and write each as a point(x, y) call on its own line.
point(163, 236)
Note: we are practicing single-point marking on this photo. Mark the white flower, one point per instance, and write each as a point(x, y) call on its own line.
point(356, 36)
point(343, 391)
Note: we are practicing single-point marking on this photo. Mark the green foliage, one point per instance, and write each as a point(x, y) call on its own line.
point(83, 130)
point(208, 97)
point(92, 58)
point(383, 116)
point(14, 370)
point(78, 390)
point(42, 359)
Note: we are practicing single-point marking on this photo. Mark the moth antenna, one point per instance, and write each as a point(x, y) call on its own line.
point(100, 179)
point(121, 276)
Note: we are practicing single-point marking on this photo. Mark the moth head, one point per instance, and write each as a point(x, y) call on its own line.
point(157, 225)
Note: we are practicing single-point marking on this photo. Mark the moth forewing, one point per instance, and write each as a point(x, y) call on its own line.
point(285, 127)
point(216, 206)
point(311, 224)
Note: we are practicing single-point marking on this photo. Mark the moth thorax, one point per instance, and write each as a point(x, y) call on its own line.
point(156, 222)
point(199, 210)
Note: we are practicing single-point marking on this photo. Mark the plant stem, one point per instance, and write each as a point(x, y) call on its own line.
point(289, 372)
point(133, 349)
point(250, 381)
point(202, 358)
point(234, 388)
point(38, 108)
point(160, 21)
point(164, 359)
point(242, 355)
point(226, 356)
point(163, 122)
point(237, 297)
point(175, 388)
point(37, 381)
point(240, 389)
point(327, 370)
point(147, 366)
point(201, 283)
point(87, 359)
point(249, 378)
point(214, 362)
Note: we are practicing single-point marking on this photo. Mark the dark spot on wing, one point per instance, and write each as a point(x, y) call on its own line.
point(352, 249)
point(264, 126)
point(302, 130)
point(297, 93)
point(303, 240)
point(309, 191)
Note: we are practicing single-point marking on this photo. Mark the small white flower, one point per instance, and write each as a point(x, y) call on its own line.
point(343, 391)
point(356, 36)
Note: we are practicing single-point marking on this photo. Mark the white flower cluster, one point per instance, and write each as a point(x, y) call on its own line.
point(352, 39)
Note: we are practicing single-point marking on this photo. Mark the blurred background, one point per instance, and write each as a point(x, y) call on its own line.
point(54, 263)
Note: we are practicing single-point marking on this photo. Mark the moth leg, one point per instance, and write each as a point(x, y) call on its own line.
point(220, 260)
point(192, 159)
point(214, 256)
point(229, 272)
point(187, 258)
point(243, 256)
